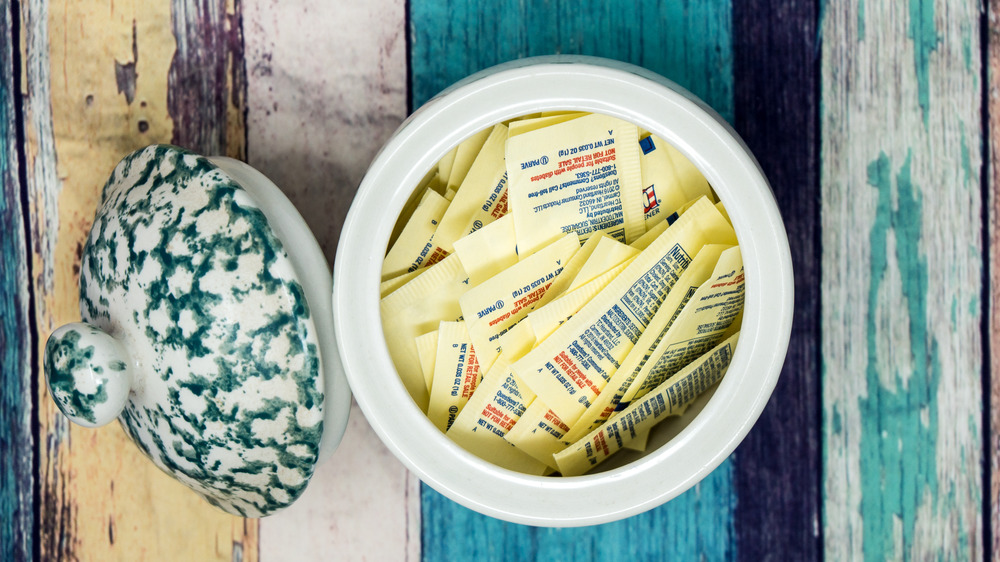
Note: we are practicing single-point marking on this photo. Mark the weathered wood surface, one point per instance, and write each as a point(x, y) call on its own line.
point(892, 455)
point(326, 88)
point(98, 79)
point(992, 183)
point(690, 43)
point(17, 475)
point(901, 280)
point(778, 507)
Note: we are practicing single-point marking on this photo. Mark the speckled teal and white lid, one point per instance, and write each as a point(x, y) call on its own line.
point(198, 334)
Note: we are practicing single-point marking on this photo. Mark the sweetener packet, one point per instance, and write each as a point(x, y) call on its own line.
point(670, 398)
point(571, 367)
point(580, 176)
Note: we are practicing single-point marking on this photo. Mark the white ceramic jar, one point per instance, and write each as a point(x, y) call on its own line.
point(163, 412)
point(682, 451)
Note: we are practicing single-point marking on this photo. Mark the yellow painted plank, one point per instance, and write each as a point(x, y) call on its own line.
point(96, 87)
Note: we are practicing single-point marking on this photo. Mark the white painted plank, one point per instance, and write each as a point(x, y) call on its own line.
point(326, 88)
point(993, 306)
point(901, 280)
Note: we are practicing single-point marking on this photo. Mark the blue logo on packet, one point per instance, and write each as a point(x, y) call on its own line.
point(647, 145)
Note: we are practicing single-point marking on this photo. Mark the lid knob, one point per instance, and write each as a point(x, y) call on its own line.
point(88, 374)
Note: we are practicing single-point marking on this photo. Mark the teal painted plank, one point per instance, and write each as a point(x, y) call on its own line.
point(689, 43)
point(696, 525)
point(16, 442)
point(897, 493)
point(901, 281)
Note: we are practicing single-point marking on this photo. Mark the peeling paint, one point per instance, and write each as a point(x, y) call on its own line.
point(203, 99)
point(925, 41)
point(892, 434)
point(125, 75)
point(861, 20)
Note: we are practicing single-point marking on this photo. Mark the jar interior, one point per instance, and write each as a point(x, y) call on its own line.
point(576, 160)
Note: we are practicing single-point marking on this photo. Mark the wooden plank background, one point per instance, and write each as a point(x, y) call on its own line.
point(991, 184)
point(901, 284)
point(313, 126)
point(777, 96)
point(870, 119)
point(132, 81)
point(17, 470)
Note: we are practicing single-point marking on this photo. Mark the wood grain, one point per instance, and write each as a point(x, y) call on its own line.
point(690, 43)
point(96, 79)
point(992, 183)
point(777, 115)
point(901, 282)
point(206, 84)
point(326, 88)
point(17, 476)
point(698, 525)
point(901, 353)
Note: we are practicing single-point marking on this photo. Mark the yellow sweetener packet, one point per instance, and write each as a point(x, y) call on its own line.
point(427, 352)
point(667, 186)
point(537, 433)
point(639, 442)
point(570, 270)
point(465, 154)
point(417, 197)
point(515, 343)
point(456, 374)
point(697, 273)
point(489, 250)
point(699, 326)
point(436, 185)
point(736, 325)
point(570, 368)
point(493, 409)
point(444, 166)
point(652, 234)
point(689, 177)
point(498, 303)
point(541, 433)
point(414, 248)
point(670, 398)
point(527, 125)
point(580, 176)
point(722, 209)
point(417, 308)
point(608, 254)
point(546, 319)
point(482, 197)
point(390, 285)
point(657, 229)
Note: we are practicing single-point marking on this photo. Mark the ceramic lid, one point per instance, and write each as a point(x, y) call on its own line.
point(197, 334)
